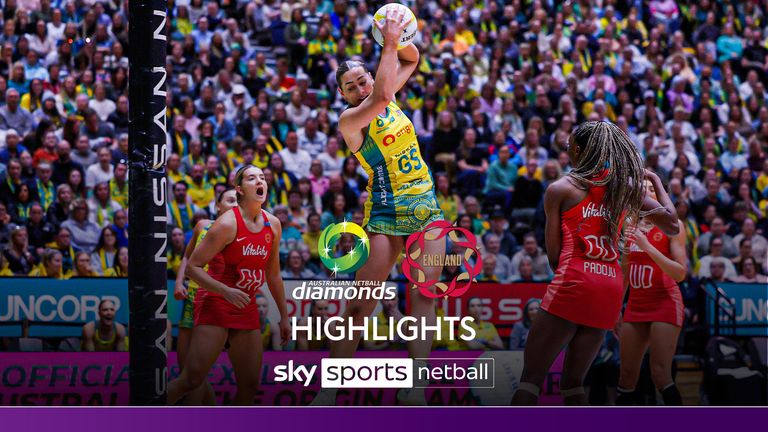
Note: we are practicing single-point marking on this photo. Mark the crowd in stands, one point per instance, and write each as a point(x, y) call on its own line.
point(498, 89)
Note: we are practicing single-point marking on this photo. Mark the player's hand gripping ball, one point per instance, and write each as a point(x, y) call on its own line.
point(409, 33)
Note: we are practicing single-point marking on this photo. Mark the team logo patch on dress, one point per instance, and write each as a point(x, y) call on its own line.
point(658, 236)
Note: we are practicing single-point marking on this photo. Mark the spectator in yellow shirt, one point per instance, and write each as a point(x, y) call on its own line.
point(4, 270)
point(486, 336)
point(120, 267)
point(50, 267)
point(82, 266)
point(200, 190)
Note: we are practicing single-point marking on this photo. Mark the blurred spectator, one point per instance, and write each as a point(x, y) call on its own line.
point(64, 163)
point(501, 180)
point(120, 266)
point(85, 233)
point(120, 226)
point(525, 272)
point(63, 243)
point(318, 309)
point(538, 258)
point(82, 266)
point(13, 148)
point(503, 269)
point(100, 172)
point(103, 256)
point(716, 247)
point(104, 334)
point(758, 242)
point(717, 231)
point(508, 243)
point(40, 231)
point(101, 205)
point(5, 225)
point(180, 208)
point(21, 257)
point(489, 269)
point(717, 270)
point(748, 272)
point(270, 339)
point(487, 337)
point(50, 266)
point(519, 334)
point(295, 159)
point(295, 267)
point(12, 116)
point(4, 270)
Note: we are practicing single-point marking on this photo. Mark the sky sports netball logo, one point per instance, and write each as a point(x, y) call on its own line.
point(463, 253)
point(343, 261)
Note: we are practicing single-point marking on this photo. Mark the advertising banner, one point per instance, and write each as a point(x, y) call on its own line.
point(102, 379)
point(750, 304)
point(58, 308)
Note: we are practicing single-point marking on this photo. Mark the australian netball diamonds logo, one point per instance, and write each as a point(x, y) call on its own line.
point(343, 261)
point(417, 259)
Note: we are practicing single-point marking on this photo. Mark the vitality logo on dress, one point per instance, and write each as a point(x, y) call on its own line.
point(414, 262)
point(347, 261)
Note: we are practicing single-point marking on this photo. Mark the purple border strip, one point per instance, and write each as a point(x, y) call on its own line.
point(375, 419)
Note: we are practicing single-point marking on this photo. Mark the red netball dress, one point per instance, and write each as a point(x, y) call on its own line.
point(654, 296)
point(240, 265)
point(587, 288)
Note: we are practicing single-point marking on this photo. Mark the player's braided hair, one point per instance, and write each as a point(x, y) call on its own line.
point(604, 146)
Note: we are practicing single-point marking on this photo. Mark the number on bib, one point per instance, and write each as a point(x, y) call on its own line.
point(409, 162)
point(640, 276)
point(600, 248)
point(250, 280)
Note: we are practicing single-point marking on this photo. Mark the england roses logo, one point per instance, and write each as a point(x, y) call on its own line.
point(417, 259)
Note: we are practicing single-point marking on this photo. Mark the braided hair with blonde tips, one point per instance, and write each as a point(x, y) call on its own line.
point(606, 147)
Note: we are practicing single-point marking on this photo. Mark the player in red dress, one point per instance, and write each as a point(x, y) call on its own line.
point(584, 210)
point(248, 239)
point(204, 394)
point(654, 314)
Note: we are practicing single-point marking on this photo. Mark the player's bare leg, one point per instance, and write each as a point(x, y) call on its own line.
point(423, 307)
point(245, 352)
point(205, 346)
point(384, 251)
point(633, 344)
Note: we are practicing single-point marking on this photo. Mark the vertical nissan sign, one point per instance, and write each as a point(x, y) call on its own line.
point(147, 221)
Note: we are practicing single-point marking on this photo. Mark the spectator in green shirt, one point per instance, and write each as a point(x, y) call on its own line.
point(500, 182)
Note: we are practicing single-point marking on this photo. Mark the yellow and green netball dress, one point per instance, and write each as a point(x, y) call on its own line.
point(188, 313)
point(401, 193)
